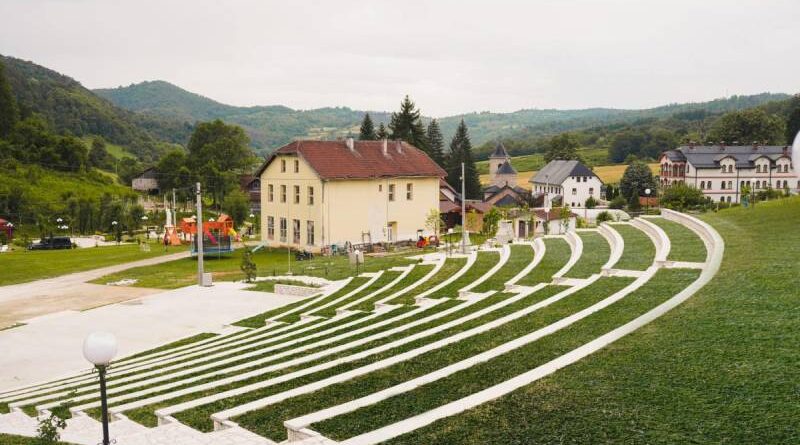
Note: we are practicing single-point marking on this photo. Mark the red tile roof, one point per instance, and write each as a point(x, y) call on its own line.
point(367, 159)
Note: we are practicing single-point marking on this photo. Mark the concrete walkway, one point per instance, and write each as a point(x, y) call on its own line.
point(139, 325)
point(24, 301)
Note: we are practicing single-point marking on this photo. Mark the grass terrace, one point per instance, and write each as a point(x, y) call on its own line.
point(521, 256)
point(450, 267)
point(685, 244)
point(719, 369)
point(639, 249)
point(417, 273)
point(484, 262)
point(556, 255)
point(596, 252)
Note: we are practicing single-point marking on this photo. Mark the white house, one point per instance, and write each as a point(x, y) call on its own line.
point(572, 181)
point(720, 171)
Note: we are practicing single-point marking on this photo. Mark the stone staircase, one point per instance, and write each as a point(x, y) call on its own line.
point(84, 430)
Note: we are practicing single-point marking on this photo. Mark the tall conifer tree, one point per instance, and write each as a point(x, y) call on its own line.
point(8, 106)
point(406, 125)
point(461, 151)
point(382, 133)
point(436, 143)
point(367, 131)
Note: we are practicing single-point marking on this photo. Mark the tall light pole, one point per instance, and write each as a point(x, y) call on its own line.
point(464, 232)
point(99, 348)
point(199, 235)
point(647, 200)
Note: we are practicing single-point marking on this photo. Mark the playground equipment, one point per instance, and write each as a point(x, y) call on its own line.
point(218, 235)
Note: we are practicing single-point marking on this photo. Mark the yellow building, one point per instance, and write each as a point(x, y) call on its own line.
point(319, 193)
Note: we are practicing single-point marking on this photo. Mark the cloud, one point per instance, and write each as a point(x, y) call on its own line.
point(451, 56)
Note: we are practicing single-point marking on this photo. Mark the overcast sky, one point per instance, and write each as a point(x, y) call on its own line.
point(450, 56)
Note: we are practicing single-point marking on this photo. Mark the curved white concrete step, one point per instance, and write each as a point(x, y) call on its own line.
point(18, 423)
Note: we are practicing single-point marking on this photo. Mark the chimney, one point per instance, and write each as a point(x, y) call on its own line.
point(786, 150)
point(385, 146)
point(722, 145)
point(398, 145)
point(691, 145)
point(755, 145)
point(350, 144)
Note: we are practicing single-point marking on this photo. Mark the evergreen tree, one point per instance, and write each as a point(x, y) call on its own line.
point(461, 151)
point(406, 125)
point(382, 133)
point(563, 146)
point(367, 132)
point(436, 143)
point(8, 106)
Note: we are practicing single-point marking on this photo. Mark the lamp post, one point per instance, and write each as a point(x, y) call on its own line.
point(99, 348)
point(647, 200)
point(753, 192)
point(115, 228)
point(146, 232)
point(450, 241)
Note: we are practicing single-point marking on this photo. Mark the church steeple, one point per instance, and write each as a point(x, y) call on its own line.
point(499, 152)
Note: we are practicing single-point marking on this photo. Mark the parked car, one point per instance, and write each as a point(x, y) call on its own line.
point(52, 243)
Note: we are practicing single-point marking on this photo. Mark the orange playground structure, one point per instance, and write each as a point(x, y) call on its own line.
point(218, 235)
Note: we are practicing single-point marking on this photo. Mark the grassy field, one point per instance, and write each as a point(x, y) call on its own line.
point(20, 266)
point(720, 369)
point(268, 261)
point(7, 439)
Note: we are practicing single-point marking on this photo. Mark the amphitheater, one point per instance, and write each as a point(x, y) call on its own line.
point(370, 359)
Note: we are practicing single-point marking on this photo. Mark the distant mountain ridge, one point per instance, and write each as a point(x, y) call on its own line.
point(274, 125)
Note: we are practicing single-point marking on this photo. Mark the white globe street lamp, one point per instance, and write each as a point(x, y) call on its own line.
point(647, 199)
point(99, 348)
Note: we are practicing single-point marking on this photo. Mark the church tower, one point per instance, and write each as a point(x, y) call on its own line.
point(501, 172)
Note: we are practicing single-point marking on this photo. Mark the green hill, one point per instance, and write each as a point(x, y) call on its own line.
point(272, 126)
point(69, 108)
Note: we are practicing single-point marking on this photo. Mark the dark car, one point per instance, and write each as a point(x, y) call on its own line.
point(52, 243)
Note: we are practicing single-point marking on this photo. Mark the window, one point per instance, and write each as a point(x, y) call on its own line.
point(708, 185)
point(283, 193)
point(296, 231)
point(283, 165)
point(702, 185)
point(271, 227)
point(391, 192)
point(730, 185)
point(283, 230)
point(297, 194)
point(270, 193)
point(311, 196)
point(574, 191)
point(409, 191)
point(591, 191)
point(296, 166)
point(310, 233)
point(721, 199)
point(380, 187)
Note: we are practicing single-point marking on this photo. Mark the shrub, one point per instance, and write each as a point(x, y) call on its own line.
point(591, 202)
point(681, 196)
point(617, 203)
point(604, 216)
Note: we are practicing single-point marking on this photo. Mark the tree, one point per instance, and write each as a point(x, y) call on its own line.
point(461, 151)
point(565, 214)
point(219, 153)
point(171, 169)
point(237, 206)
point(591, 202)
point(433, 220)
point(491, 221)
point(793, 119)
point(681, 196)
point(248, 266)
point(636, 179)
point(563, 146)
point(99, 156)
point(406, 125)
point(367, 131)
point(625, 143)
point(747, 126)
point(436, 143)
point(9, 114)
point(382, 133)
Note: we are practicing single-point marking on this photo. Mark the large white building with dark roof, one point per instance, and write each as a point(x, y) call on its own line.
point(570, 181)
point(720, 171)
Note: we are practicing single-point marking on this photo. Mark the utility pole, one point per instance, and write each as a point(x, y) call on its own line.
point(464, 233)
point(174, 210)
point(199, 236)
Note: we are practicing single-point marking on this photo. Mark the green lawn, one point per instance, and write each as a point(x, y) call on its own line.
point(556, 255)
point(596, 252)
point(639, 251)
point(20, 266)
point(521, 256)
point(721, 368)
point(8, 439)
point(268, 261)
point(685, 245)
point(450, 266)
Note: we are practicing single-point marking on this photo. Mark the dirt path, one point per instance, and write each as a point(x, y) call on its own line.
point(19, 302)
